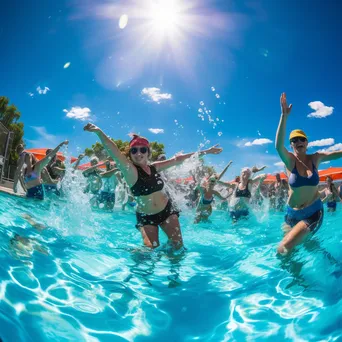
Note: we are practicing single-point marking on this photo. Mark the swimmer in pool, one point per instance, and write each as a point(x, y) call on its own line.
point(330, 195)
point(154, 206)
point(242, 192)
point(207, 192)
point(33, 172)
point(304, 213)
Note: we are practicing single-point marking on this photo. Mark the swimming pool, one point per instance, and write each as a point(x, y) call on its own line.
point(85, 278)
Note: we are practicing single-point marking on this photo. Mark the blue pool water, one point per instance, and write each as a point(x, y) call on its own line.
point(85, 278)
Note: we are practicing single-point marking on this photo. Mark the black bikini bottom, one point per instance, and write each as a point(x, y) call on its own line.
point(156, 219)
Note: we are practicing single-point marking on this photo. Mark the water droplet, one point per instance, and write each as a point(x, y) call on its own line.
point(219, 134)
point(200, 110)
point(212, 89)
point(202, 103)
point(217, 96)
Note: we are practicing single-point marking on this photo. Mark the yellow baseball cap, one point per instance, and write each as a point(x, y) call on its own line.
point(298, 133)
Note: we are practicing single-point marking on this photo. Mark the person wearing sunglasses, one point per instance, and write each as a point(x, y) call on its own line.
point(154, 206)
point(304, 213)
point(207, 192)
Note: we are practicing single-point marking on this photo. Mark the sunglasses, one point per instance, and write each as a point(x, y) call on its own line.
point(296, 139)
point(135, 150)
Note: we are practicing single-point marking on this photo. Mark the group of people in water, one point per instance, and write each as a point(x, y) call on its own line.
point(144, 185)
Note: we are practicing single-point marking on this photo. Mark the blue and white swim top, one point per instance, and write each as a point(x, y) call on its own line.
point(297, 181)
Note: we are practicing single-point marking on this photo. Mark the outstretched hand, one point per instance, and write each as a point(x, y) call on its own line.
point(285, 108)
point(215, 149)
point(91, 128)
point(256, 169)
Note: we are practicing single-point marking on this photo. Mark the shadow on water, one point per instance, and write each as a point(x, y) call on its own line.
point(145, 262)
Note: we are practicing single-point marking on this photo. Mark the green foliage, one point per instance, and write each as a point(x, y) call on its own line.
point(9, 115)
point(122, 145)
point(99, 151)
point(157, 149)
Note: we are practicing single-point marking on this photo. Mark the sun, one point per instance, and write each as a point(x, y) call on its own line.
point(158, 36)
point(165, 15)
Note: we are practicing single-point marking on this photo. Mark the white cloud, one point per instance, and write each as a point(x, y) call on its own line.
point(262, 141)
point(322, 142)
point(336, 147)
point(156, 130)
point(44, 139)
point(155, 95)
point(42, 91)
point(321, 111)
point(280, 164)
point(66, 65)
point(78, 113)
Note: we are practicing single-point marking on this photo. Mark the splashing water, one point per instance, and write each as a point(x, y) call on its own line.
point(85, 278)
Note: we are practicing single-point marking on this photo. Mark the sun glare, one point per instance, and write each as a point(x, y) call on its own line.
point(165, 15)
point(162, 34)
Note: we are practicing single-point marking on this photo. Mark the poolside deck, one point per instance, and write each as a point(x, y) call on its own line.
point(7, 187)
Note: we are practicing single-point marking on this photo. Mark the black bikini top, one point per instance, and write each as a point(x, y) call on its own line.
point(147, 184)
point(242, 193)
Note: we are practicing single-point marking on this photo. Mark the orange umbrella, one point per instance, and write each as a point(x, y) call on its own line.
point(272, 178)
point(334, 172)
point(40, 153)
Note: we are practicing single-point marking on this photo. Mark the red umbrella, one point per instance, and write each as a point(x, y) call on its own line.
point(40, 153)
point(88, 165)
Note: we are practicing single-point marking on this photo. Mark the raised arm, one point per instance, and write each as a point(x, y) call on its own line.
point(284, 154)
point(109, 173)
point(77, 162)
point(327, 156)
point(255, 169)
point(177, 160)
point(227, 185)
point(92, 168)
point(224, 171)
point(40, 165)
point(126, 167)
point(258, 180)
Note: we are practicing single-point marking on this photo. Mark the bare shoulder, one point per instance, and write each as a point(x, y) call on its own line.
point(315, 158)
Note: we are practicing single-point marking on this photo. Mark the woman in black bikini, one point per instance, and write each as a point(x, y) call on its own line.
point(154, 207)
point(304, 206)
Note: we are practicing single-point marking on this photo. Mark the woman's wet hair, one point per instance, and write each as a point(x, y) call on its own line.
point(247, 169)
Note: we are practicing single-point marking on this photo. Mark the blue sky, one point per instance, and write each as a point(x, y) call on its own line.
point(249, 51)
